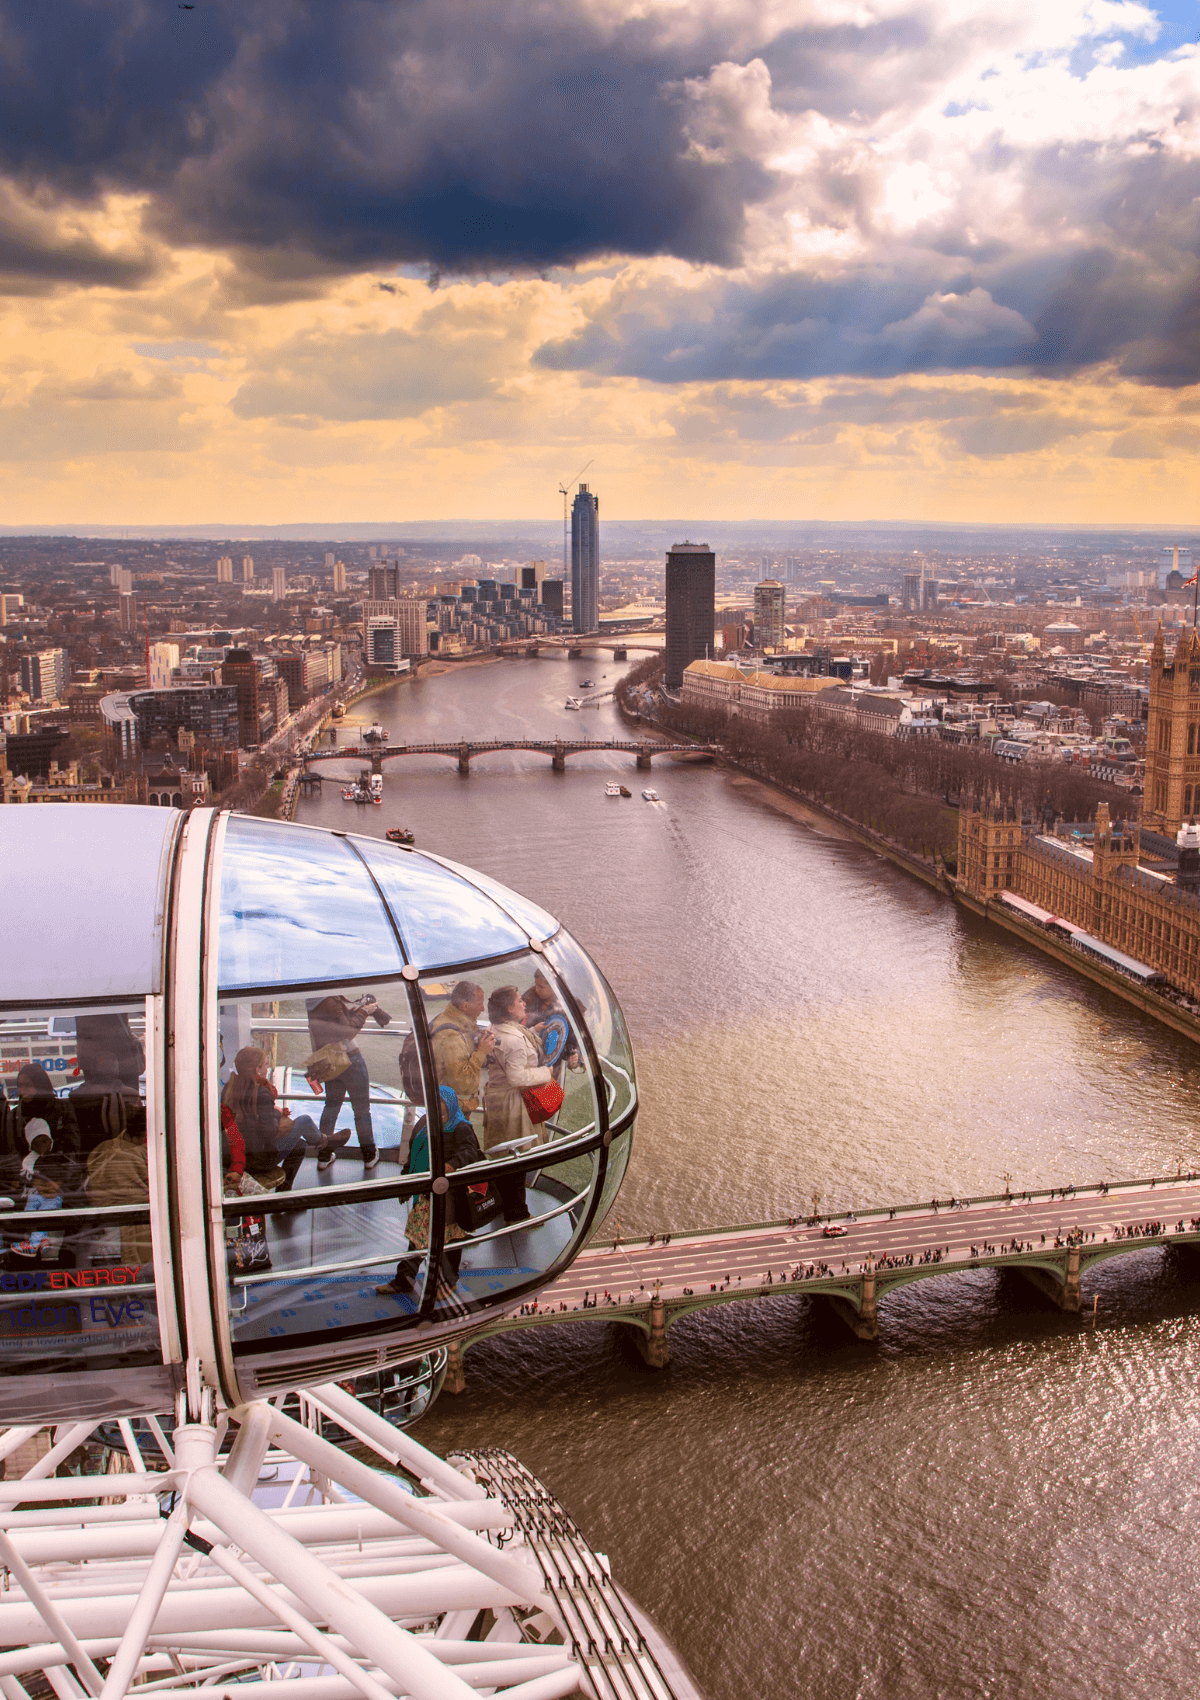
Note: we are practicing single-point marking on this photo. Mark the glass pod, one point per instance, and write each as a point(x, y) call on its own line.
point(314, 1102)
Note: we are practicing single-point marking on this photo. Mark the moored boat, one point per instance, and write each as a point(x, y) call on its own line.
point(625, 791)
point(375, 734)
point(612, 790)
point(400, 835)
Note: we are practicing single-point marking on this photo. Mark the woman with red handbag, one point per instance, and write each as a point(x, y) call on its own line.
point(515, 1068)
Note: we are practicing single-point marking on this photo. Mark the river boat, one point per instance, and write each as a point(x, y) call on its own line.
point(572, 702)
point(650, 796)
point(625, 791)
point(375, 734)
point(586, 684)
point(339, 708)
point(612, 790)
point(400, 835)
point(375, 787)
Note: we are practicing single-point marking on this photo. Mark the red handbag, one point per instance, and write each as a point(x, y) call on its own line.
point(542, 1101)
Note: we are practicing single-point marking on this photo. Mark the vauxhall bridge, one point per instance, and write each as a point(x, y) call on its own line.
point(465, 749)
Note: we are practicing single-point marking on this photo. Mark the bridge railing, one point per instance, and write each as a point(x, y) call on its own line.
point(886, 1211)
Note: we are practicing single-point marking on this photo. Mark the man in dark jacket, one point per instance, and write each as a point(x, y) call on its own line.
point(336, 1020)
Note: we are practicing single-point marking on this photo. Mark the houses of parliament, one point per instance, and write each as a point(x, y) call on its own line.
point(1135, 888)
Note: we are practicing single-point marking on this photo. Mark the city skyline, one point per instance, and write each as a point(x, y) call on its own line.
point(905, 263)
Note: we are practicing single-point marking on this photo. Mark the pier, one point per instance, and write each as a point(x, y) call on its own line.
point(1050, 1239)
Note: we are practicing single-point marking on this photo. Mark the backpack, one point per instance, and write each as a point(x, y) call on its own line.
point(410, 1070)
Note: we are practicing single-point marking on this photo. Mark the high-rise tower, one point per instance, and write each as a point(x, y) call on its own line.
point(691, 607)
point(770, 610)
point(585, 561)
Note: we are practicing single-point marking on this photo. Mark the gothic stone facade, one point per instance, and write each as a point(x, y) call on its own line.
point(1172, 790)
point(1105, 893)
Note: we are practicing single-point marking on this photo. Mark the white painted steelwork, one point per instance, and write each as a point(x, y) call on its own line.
point(281, 1557)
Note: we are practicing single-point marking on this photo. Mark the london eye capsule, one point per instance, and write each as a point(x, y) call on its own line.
point(281, 1105)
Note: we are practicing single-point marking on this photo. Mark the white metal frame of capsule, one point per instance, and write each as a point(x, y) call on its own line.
point(283, 1557)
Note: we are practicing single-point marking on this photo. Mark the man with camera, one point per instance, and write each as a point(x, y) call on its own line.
point(337, 1021)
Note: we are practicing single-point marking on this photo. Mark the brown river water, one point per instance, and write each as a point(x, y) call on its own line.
point(995, 1500)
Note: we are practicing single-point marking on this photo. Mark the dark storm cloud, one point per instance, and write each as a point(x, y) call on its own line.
point(450, 132)
point(1121, 285)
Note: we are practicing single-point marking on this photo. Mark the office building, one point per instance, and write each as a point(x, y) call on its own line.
point(114, 576)
point(11, 604)
point(163, 659)
point(383, 583)
point(187, 714)
point(224, 569)
point(339, 578)
point(552, 596)
point(262, 695)
point(43, 674)
point(32, 753)
point(305, 672)
point(911, 596)
point(691, 608)
point(393, 628)
point(585, 561)
point(381, 637)
point(770, 610)
point(329, 558)
point(124, 581)
point(278, 584)
point(128, 612)
point(247, 569)
point(414, 626)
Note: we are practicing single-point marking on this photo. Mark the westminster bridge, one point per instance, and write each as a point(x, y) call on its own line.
point(1050, 1238)
point(464, 750)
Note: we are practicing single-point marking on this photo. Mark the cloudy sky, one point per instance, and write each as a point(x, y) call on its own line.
point(268, 260)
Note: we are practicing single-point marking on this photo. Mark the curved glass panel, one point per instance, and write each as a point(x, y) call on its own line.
point(323, 1122)
point(618, 1161)
point(441, 918)
point(495, 1035)
point(536, 922)
point(296, 906)
point(76, 1261)
point(604, 1020)
point(479, 1264)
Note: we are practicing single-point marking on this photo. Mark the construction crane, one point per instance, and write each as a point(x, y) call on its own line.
point(1137, 628)
point(564, 491)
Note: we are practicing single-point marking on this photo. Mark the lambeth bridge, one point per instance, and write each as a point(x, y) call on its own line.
point(466, 749)
point(1051, 1239)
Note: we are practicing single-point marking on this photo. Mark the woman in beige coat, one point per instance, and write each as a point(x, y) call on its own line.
point(513, 1065)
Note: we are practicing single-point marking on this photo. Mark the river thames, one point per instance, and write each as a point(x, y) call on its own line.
point(995, 1500)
